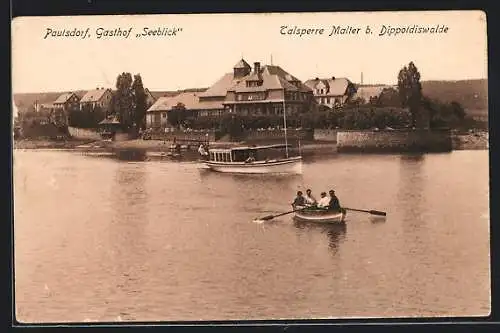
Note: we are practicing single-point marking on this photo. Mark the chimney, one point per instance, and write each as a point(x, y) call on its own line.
point(256, 67)
point(317, 79)
point(333, 77)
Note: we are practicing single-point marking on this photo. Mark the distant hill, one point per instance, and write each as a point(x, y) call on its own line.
point(25, 100)
point(158, 94)
point(471, 94)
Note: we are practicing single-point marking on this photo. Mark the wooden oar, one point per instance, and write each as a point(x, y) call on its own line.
point(373, 212)
point(270, 217)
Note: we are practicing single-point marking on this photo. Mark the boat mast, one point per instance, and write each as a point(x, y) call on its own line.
point(284, 122)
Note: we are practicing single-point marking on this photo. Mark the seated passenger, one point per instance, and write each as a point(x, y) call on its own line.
point(324, 202)
point(250, 159)
point(299, 201)
point(310, 200)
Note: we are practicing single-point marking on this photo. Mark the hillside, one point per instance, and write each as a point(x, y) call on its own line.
point(158, 94)
point(25, 100)
point(472, 94)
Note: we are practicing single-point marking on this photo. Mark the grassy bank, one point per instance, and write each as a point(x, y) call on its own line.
point(48, 144)
point(470, 141)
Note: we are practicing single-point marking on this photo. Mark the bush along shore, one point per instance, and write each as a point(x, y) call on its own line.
point(472, 140)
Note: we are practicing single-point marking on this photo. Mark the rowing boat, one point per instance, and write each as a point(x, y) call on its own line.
point(316, 215)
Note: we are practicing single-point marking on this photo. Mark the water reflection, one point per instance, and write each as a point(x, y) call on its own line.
point(412, 157)
point(335, 233)
point(131, 154)
point(411, 188)
point(127, 231)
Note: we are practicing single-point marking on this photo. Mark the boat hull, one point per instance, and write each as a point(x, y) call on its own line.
point(315, 216)
point(290, 166)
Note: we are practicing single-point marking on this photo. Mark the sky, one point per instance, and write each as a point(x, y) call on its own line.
point(209, 45)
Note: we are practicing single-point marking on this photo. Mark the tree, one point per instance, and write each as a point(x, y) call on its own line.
point(140, 102)
point(458, 110)
point(410, 90)
point(177, 115)
point(389, 97)
point(122, 103)
point(444, 114)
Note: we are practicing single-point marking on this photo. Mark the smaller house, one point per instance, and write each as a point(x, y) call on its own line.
point(62, 106)
point(66, 101)
point(188, 101)
point(368, 92)
point(44, 107)
point(157, 114)
point(97, 98)
point(332, 92)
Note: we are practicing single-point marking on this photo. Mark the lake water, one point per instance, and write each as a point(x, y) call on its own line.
point(102, 239)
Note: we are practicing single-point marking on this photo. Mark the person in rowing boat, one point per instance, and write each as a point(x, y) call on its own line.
point(310, 200)
point(324, 202)
point(202, 152)
point(334, 203)
point(299, 201)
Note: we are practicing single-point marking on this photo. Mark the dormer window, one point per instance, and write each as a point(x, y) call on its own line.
point(253, 83)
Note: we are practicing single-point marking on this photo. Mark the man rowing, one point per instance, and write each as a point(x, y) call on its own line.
point(334, 203)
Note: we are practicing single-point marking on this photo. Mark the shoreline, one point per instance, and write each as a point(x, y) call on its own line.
point(470, 141)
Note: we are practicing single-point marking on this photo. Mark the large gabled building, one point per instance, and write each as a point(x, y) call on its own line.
point(263, 91)
point(268, 90)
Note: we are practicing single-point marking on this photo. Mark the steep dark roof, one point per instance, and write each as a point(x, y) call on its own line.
point(273, 78)
point(242, 64)
point(64, 98)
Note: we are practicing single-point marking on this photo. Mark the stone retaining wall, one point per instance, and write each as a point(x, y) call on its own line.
point(325, 135)
point(183, 136)
point(83, 133)
point(394, 141)
point(278, 134)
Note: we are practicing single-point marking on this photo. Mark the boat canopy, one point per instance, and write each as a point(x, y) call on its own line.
point(261, 147)
point(247, 148)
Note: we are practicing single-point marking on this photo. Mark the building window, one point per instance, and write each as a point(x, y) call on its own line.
point(328, 100)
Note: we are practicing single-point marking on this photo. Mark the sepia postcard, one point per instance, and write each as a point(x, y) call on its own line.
point(242, 167)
